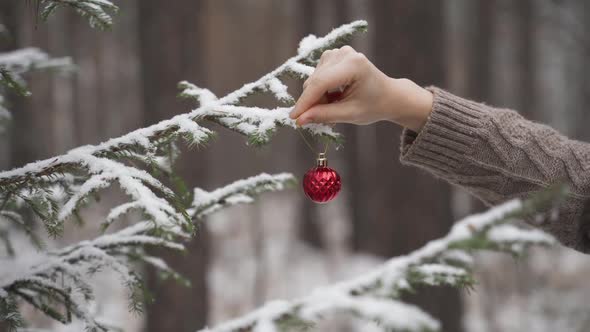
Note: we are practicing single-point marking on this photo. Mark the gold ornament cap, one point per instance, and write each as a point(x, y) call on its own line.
point(322, 160)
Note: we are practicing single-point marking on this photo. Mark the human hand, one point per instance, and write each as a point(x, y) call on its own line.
point(369, 95)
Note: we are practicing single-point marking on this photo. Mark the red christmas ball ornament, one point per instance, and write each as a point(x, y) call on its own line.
point(321, 183)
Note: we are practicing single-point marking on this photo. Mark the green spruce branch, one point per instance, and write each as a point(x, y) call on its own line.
point(376, 295)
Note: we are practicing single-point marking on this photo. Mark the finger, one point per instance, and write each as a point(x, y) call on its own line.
point(328, 58)
point(319, 83)
point(325, 57)
point(330, 95)
point(306, 83)
point(326, 98)
point(327, 113)
point(347, 49)
point(332, 57)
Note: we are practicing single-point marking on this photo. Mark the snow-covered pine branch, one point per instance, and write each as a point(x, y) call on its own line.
point(375, 296)
point(258, 123)
point(241, 191)
point(56, 282)
point(85, 170)
point(14, 64)
point(63, 273)
point(23, 60)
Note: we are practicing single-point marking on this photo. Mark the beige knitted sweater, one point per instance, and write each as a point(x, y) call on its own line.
point(498, 155)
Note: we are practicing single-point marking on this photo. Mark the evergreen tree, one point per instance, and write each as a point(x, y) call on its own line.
point(51, 192)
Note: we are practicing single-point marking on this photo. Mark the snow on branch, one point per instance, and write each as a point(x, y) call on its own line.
point(258, 129)
point(14, 64)
point(241, 191)
point(444, 261)
point(63, 273)
point(30, 58)
point(56, 283)
point(116, 160)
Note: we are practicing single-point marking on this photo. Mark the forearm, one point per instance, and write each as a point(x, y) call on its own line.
point(413, 103)
point(497, 155)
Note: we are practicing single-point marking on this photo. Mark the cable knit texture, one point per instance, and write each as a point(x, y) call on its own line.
point(498, 155)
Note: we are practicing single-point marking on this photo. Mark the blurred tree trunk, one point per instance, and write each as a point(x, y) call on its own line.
point(353, 183)
point(9, 14)
point(8, 11)
point(30, 130)
point(509, 43)
point(582, 131)
point(360, 148)
point(408, 207)
point(170, 40)
point(310, 232)
point(526, 56)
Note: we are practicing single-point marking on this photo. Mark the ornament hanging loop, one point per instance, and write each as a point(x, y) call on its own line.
point(322, 161)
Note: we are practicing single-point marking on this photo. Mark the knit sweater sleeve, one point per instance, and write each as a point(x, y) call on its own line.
point(498, 155)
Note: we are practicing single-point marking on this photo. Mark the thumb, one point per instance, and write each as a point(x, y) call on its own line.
point(326, 113)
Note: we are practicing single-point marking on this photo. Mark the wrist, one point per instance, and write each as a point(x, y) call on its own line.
point(410, 104)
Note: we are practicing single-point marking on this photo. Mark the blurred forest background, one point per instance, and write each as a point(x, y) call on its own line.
point(530, 55)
